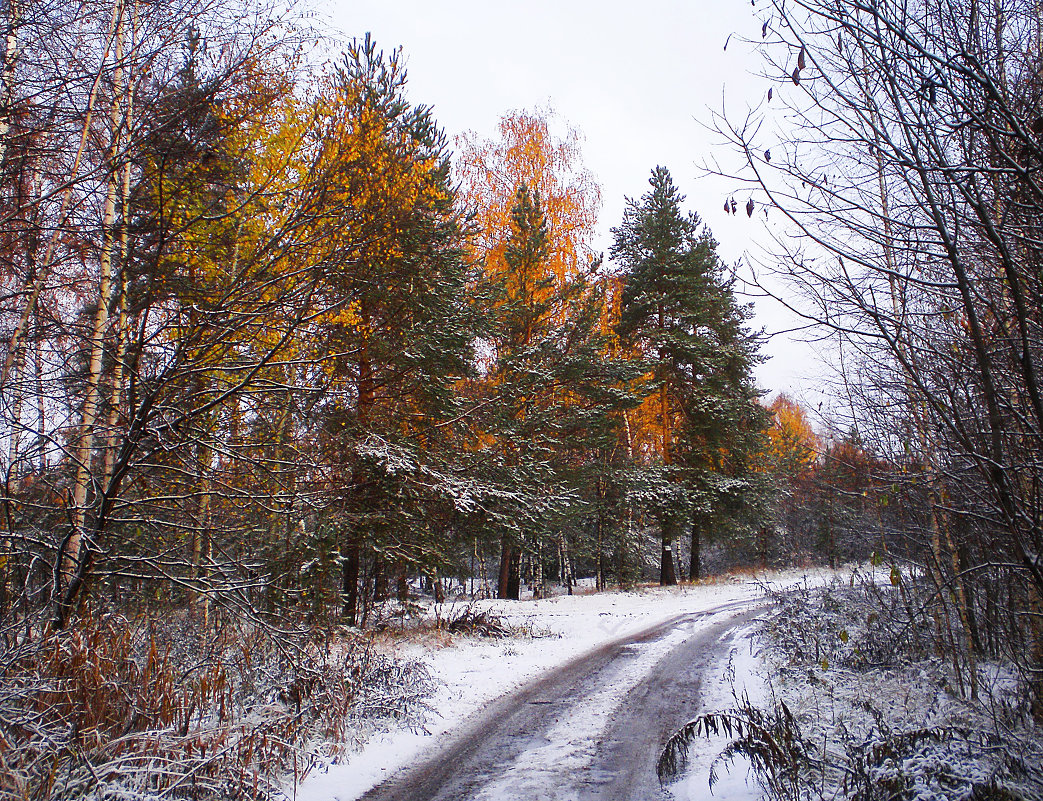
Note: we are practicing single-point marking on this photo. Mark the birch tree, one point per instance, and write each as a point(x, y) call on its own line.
point(911, 175)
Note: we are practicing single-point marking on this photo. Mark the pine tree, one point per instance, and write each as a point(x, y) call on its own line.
point(397, 336)
point(557, 393)
point(526, 301)
point(679, 312)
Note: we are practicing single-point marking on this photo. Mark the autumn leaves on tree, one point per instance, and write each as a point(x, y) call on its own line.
point(275, 351)
point(304, 364)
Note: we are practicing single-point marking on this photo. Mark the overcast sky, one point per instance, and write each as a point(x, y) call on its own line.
point(638, 79)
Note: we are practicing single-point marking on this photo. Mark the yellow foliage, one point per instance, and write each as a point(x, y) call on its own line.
point(528, 152)
point(349, 317)
point(792, 444)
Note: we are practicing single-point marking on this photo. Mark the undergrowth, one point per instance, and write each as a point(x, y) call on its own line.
point(473, 618)
point(164, 708)
point(863, 709)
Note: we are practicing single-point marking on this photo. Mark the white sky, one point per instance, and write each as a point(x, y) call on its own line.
point(638, 79)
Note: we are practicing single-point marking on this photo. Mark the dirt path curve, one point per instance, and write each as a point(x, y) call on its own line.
point(590, 729)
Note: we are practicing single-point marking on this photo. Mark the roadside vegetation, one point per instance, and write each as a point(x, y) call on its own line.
point(158, 707)
point(863, 705)
point(899, 144)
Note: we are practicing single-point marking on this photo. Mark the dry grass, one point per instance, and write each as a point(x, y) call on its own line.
point(115, 708)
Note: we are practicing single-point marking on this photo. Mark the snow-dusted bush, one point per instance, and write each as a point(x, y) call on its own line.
point(473, 619)
point(862, 709)
point(120, 709)
point(478, 619)
point(859, 624)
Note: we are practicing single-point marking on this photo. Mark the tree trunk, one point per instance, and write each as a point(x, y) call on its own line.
point(831, 539)
point(599, 577)
point(72, 565)
point(10, 60)
point(380, 579)
point(204, 554)
point(539, 588)
point(200, 545)
point(963, 607)
point(402, 582)
point(509, 584)
point(506, 555)
point(626, 533)
point(568, 577)
point(694, 567)
point(514, 577)
point(977, 641)
point(16, 392)
point(626, 536)
point(41, 399)
point(35, 284)
point(667, 572)
point(479, 562)
point(350, 579)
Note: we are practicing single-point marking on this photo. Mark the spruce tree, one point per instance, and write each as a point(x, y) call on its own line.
point(679, 312)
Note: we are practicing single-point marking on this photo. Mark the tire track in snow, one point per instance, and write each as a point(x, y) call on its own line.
point(590, 729)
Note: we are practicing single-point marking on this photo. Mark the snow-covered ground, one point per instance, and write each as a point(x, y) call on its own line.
point(471, 671)
point(739, 673)
point(882, 714)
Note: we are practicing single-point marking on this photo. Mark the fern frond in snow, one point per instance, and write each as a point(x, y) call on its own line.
point(770, 741)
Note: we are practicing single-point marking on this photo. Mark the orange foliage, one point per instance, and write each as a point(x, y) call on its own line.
point(644, 427)
point(561, 285)
point(850, 469)
point(792, 444)
point(528, 152)
point(376, 174)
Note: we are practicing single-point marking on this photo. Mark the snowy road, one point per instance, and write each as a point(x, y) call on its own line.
point(590, 729)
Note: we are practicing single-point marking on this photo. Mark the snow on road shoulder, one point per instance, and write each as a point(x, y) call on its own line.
point(739, 673)
point(470, 672)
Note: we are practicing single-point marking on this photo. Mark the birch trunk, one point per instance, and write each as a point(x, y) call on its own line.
point(567, 577)
point(72, 561)
point(35, 282)
point(7, 77)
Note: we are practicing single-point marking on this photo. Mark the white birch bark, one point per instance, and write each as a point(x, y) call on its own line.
point(35, 283)
point(7, 76)
point(71, 557)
